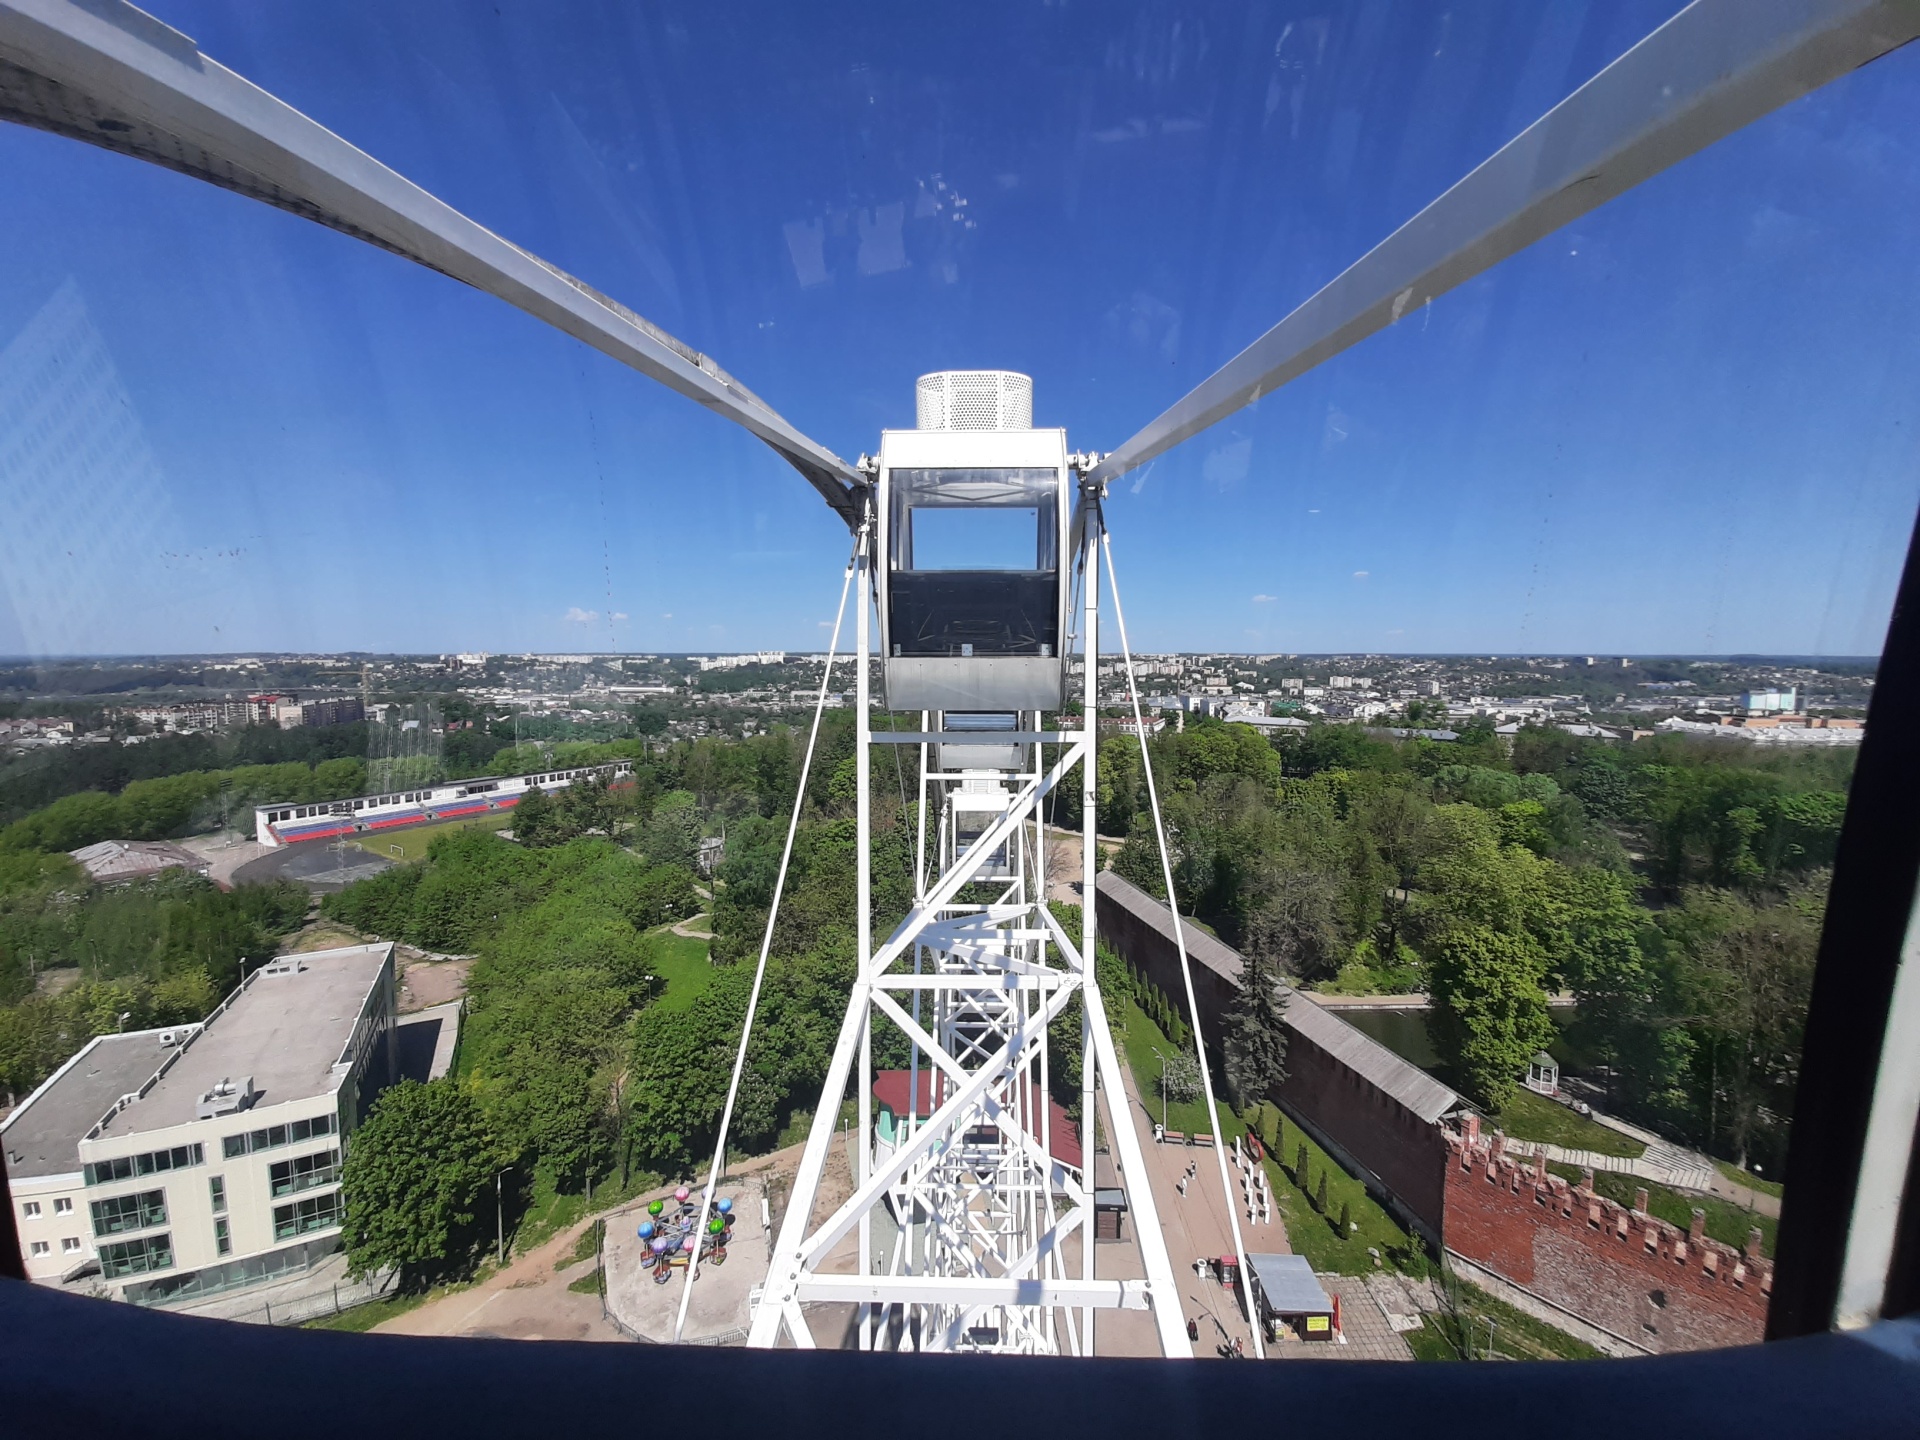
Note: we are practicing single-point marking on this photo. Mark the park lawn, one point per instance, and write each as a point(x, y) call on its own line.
point(1317, 1235)
point(682, 963)
point(1726, 1222)
point(1528, 1116)
point(1747, 1178)
point(411, 844)
point(1514, 1334)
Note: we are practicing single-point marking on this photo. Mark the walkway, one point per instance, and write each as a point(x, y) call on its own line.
point(1663, 1164)
point(1196, 1228)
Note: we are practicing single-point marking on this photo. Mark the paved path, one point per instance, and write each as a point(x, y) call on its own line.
point(1663, 1164)
point(1756, 1200)
point(1397, 1002)
point(1196, 1228)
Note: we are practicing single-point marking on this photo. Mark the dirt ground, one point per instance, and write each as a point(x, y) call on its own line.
point(426, 983)
point(529, 1300)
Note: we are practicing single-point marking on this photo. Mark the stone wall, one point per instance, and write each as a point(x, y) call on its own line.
point(1655, 1286)
point(1365, 1125)
point(1348, 1091)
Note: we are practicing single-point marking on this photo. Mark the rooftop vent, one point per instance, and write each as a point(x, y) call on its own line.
point(226, 1098)
point(288, 966)
point(974, 400)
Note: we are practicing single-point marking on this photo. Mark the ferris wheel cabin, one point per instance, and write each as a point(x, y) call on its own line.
point(975, 506)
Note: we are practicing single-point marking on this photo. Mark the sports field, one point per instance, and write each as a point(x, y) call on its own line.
point(411, 843)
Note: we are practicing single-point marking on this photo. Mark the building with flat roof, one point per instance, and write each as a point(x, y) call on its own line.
point(182, 1162)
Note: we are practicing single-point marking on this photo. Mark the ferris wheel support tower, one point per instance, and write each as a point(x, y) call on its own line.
point(966, 1196)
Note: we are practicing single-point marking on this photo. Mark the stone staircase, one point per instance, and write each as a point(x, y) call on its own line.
point(1664, 1163)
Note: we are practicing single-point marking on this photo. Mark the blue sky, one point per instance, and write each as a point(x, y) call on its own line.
point(1686, 424)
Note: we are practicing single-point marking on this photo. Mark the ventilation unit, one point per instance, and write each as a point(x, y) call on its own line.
point(974, 400)
point(228, 1096)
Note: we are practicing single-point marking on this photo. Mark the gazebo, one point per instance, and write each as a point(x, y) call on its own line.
point(1543, 1074)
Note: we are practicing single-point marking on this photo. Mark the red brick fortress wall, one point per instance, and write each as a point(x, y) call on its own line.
point(1651, 1283)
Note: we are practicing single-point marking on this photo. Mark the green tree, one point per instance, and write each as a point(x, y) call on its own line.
point(1482, 906)
point(416, 1174)
point(536, 819)
point(1253, 1036)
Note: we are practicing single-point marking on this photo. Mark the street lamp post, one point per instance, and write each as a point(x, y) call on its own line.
point(1163, 1088)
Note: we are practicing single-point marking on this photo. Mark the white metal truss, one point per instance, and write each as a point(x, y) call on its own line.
point(961, 1216)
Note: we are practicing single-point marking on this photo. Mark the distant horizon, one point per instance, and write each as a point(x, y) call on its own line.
point(1598, 655)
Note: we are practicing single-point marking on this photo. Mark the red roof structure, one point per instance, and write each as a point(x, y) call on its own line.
point(890, 1089)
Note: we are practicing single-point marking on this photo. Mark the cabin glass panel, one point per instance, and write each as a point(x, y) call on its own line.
point(975, 563)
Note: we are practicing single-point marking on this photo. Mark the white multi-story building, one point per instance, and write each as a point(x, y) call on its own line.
point(177, 1163)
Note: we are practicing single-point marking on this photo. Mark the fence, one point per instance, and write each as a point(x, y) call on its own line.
point(300, 1308)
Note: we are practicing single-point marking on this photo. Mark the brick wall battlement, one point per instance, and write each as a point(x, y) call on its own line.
point(1651, 1283)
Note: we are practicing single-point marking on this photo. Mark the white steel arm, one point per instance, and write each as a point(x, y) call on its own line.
point(1711, 69)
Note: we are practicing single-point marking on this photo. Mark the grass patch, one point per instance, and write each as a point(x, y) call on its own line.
point(362, 1318)
point(1726, 1221)
point(1747, 1178)
point(682, 962)
point(1528, 1116)
point(1139, 1037)
point(584, 1248)
point(549, 1210)
point(1513, 1335)
point(1317, 1233)
point(411, 844)
point(589, 1283)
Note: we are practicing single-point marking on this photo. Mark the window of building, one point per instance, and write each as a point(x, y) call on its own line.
point(63, 1206)
point(136, 1257)
point(277, 1135)
point(322, 1212)
point(305, 1172)
point(222, 1240)
point(30, 1209)
point(218, 1187)
point(154, 1162)
point(69, 1244)
point(40, 1247)
point(130, 1212)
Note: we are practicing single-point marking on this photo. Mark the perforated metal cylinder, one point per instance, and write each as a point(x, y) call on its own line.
point(974, 400)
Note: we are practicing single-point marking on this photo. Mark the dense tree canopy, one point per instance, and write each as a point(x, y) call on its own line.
point(418, 1171)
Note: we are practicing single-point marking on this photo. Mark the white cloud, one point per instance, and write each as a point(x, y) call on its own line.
point(1360, 574)
point(576, 616)
point(1264, 599)
point(619, 615)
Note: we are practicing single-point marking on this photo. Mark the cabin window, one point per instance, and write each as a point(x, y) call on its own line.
point(975, 562)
